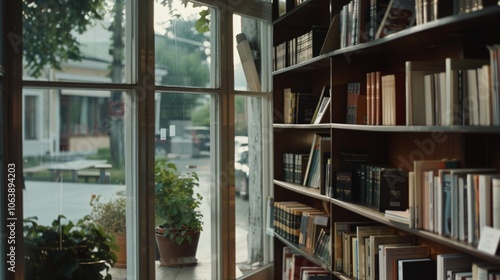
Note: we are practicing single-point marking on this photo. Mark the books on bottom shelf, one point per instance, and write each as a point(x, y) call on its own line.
point(373, 253)
point(297, 267)
point(390, 254)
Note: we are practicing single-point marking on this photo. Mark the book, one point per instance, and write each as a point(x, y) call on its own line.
point(372, 270)
point(485, 199)
point(393, 99)
point(398, 216)
point(390, 255)
point(322, 106)
point(445, 262)
point(419, 167)
point(481, 270)
point(377, 12)
point(347, 252)
point(339, 228)
point(367, 231)
point(457, 198)
point(297, 262)
point(400, 14)
point(416, 71)
point(453, 106)
point(343, 185)
point(392, 189)
point(416, 269)
point(494, 51)
point(496, 202)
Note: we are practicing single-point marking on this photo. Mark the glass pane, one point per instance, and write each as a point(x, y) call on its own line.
point(75, 179)
point(250, 179)
point(250, 61)
point(184, 44)
point(183, 147)
point(76, 41)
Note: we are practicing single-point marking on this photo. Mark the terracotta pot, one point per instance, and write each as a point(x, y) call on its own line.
point(173, 254)
point(121, 255)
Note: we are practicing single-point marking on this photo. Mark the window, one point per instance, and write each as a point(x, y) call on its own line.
point(99, 112)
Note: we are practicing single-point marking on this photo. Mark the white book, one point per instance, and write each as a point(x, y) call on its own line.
point(445, 262)
point(362, 232)
point(496, 203)
point(454, 67)
point(382, 259)
point(391, 254)
point(430, 99)
point(415, 89)
point(457, 192)
point(485, 200)
point(484, 95)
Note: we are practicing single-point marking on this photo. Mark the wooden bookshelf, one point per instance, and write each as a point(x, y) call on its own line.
point(458, 36)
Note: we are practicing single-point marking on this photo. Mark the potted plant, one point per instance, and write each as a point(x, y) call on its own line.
point(67, 250)
point(178, 217)
point(110, 214)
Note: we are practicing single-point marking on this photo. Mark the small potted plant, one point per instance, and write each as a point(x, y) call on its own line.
point(66, 250)
point(178, 217)
point(110, 214)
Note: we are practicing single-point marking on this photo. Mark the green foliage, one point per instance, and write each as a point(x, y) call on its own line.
point(176, 204)
point(201, 115)
point(50, 31)
point(110, 213)
point(68, 251)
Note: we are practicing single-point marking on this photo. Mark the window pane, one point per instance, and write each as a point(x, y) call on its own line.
point(184, 44)
point(78, 170)
point(250, 54)
point(184, 138)
point(250, 179)
point(30, 117)
point(76, 41)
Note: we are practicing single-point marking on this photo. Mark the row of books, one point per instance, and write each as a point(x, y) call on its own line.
point(453, 92)
point(319, 154)
point(300, 224)
point(297, 267)
point(385, 98)
point(364, 21)
point(356, 103)
point(299, 49)
point(454, 202)
point(467, 6)
point(301, 107)
point(294, 167)
point(366, 250)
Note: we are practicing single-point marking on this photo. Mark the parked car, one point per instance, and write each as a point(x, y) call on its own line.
point(242, 171)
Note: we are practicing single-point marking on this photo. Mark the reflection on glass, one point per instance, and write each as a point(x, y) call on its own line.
point(90, 44)
point(183, 44)
point(74, 180)
point(183, 141)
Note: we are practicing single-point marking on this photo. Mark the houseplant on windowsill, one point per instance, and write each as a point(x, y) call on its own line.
point(67, 250)
point(178, 217)
point(110, 214)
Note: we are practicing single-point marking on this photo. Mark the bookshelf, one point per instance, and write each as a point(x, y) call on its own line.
point(464, 35)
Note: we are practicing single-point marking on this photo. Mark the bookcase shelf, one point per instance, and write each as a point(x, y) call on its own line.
point(460, 36)
point(419, 128)
point(304, 251)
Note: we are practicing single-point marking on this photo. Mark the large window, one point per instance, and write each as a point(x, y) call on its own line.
point(110, 92)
